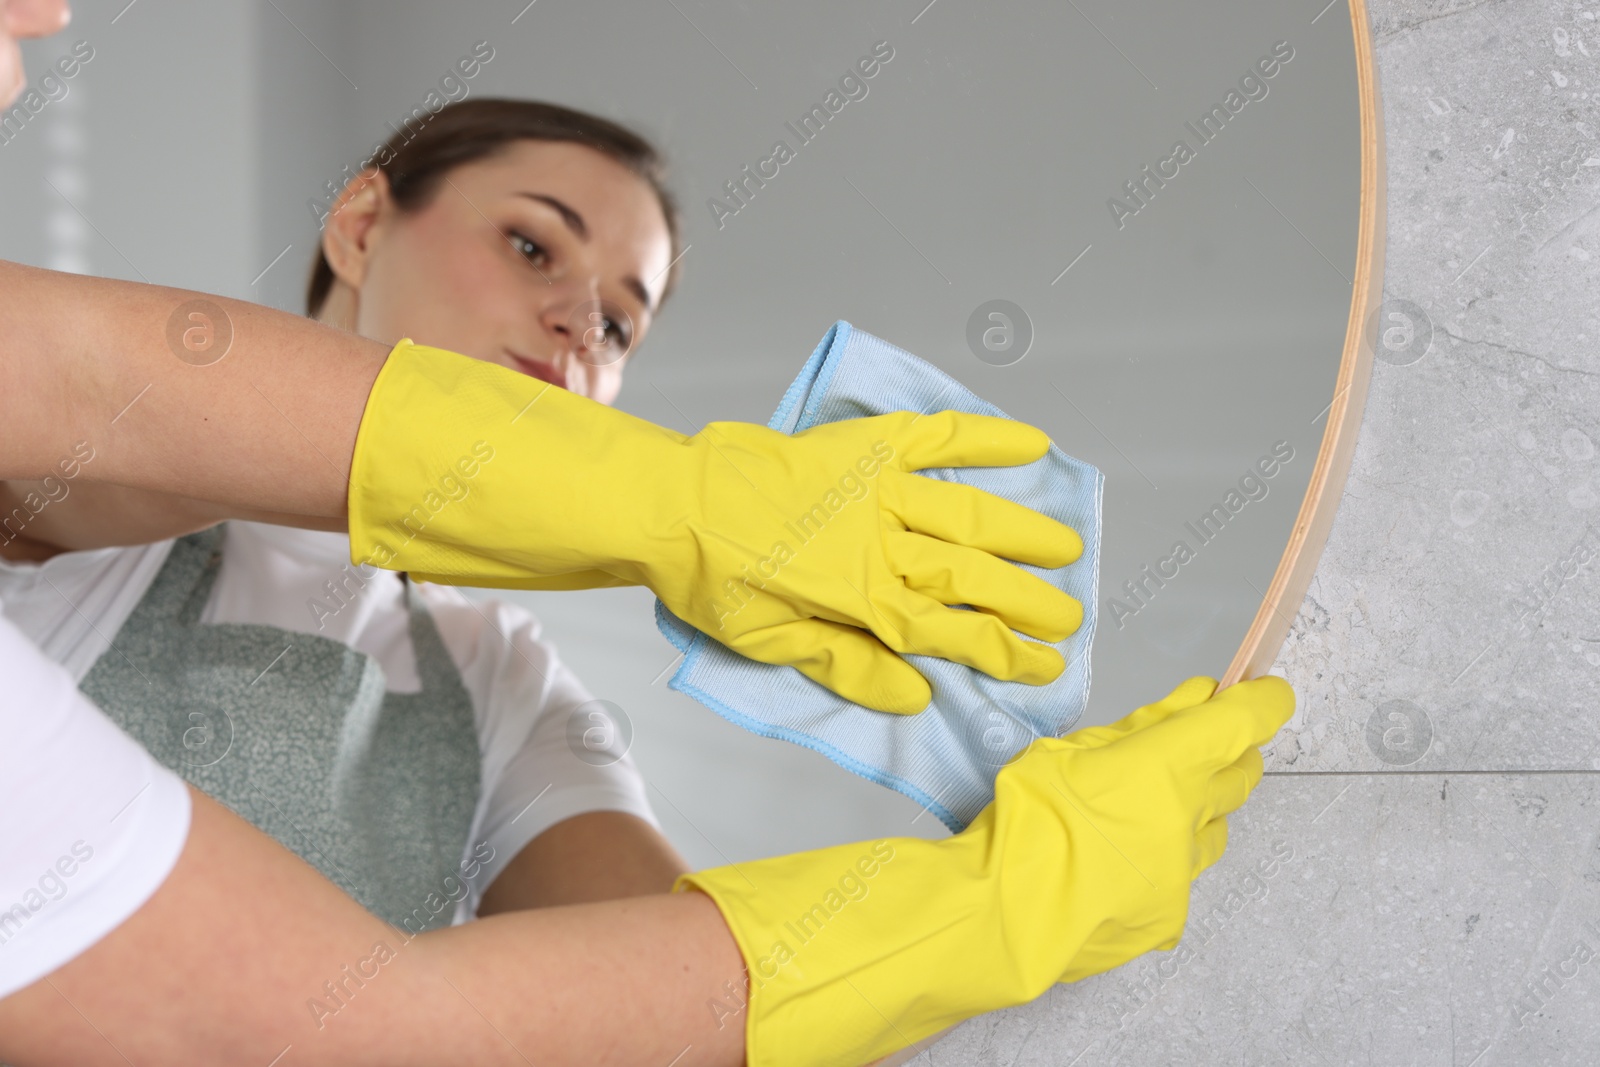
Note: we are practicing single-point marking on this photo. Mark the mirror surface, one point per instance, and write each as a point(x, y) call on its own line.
point(1177, 338)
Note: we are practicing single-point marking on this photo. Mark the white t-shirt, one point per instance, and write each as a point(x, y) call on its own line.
point(90, 825)
point(301, 580)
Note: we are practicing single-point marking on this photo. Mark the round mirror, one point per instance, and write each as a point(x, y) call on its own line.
point(1154, 232)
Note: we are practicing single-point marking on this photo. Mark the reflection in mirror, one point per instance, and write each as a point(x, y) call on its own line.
point(1134, 228)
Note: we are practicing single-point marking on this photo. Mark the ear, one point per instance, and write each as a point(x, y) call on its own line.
point(354, 224)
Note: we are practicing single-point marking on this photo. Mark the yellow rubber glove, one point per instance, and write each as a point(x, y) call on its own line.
point(1082, 862)
point(819, 550)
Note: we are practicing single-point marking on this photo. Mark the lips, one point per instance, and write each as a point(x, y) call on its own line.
point(545, 372)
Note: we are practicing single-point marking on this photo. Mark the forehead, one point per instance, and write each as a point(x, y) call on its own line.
point(592, 183)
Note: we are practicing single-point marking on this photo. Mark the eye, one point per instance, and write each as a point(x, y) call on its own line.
point(529, 249)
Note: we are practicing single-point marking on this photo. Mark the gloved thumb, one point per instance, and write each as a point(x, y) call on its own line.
point(1196, 690)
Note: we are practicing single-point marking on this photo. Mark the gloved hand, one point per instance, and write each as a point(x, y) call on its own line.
point(1082, 862)
point(819, 550)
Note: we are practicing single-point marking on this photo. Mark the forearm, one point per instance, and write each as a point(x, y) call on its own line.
point(228, 961)
point(599, 855)
point(267, 428)
point(41, 519)
point(642, 980)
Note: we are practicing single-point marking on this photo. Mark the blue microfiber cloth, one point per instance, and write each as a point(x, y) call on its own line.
point(945, 757)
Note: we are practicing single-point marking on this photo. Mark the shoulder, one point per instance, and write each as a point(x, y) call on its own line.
point(479, 626)
point(499, 647)
point(513, 674)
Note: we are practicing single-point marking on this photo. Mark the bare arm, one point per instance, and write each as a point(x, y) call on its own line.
point(197, 977)
point(267, 429)
point(44, 518)
point(599, 855)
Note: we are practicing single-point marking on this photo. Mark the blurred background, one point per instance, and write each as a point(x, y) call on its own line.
point(1172, 350)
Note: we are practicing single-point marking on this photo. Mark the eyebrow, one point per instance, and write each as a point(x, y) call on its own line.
point(580, 229)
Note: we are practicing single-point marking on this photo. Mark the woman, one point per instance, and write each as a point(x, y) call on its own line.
point(514, 232)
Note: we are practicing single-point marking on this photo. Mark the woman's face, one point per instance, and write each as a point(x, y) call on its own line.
point(547, 257)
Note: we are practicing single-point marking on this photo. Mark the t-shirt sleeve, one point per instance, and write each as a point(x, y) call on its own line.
point(551, 751)
point(90, 824)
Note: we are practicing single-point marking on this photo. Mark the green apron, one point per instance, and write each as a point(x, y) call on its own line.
point(297, 734)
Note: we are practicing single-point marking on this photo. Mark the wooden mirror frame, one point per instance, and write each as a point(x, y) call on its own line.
point(1264, 640)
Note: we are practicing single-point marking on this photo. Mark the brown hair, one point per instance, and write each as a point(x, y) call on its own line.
point(416, 159)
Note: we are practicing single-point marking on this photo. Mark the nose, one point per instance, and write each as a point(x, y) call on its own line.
point(566, 320)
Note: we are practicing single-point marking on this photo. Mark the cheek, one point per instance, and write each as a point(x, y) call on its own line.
point(606, 383)
point(439, 283)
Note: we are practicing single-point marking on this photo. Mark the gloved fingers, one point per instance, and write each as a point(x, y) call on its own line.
point(1211, 842)
point(845, 659)
point(953, 574)
point(966, 515)
point(1231, 786)
point(1186, 694)
point(1216, 733)
point(917, 624)
point(957, 439)
point(1192, 691)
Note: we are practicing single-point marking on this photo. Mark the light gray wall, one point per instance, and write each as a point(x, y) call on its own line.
point(304, 125)
point(145, 169)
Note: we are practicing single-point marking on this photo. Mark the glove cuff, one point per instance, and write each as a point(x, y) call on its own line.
point(471, 473)
point(855, 951)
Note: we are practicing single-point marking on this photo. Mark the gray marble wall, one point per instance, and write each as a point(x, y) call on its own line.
point(1432, 813)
